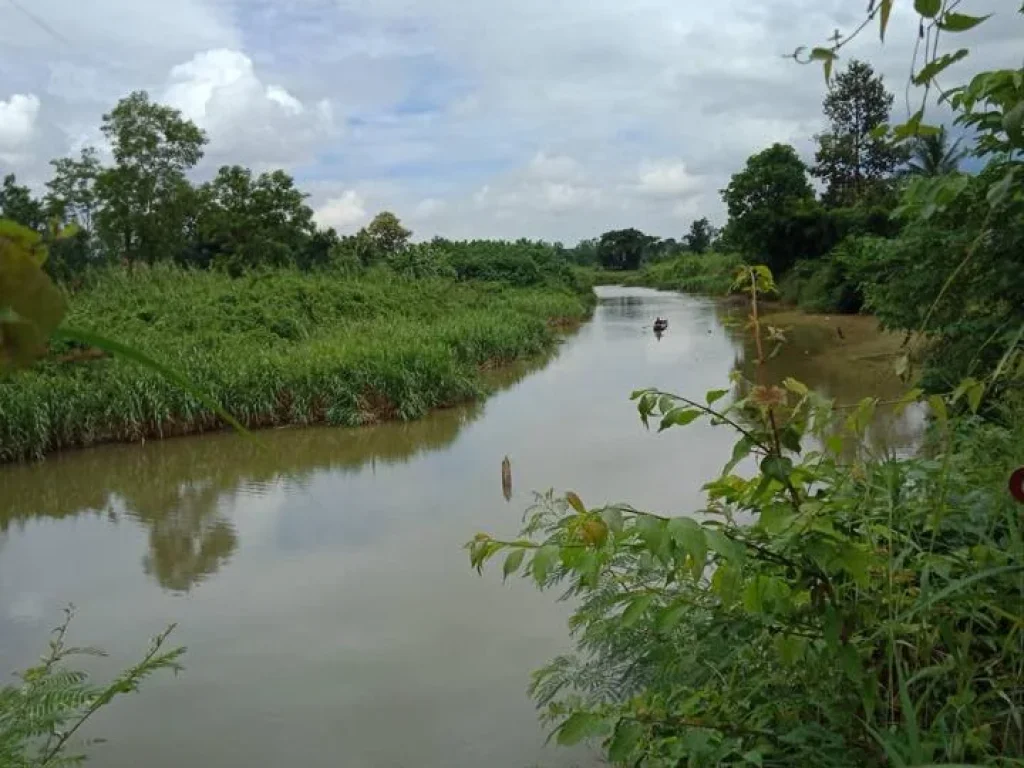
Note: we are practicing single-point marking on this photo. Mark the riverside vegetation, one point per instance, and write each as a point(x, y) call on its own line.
point(830, 604)
point(817, 611)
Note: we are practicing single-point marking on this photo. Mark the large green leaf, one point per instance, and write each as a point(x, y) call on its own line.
point(960, 22)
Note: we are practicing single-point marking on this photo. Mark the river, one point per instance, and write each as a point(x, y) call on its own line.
point(318, 581)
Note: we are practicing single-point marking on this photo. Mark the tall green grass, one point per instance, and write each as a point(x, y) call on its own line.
point(273, 348)
point(706, 273)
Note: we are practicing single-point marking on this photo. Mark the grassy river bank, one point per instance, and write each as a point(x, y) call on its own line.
point(274, 348)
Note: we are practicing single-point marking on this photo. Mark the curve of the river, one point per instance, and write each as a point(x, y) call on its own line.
point(330, 615)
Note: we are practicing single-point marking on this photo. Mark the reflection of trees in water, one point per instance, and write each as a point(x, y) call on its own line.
point(176, 488)
point(813, 355)
point(626, 306)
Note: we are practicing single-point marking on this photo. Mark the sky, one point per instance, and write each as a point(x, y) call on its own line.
point(554, 119)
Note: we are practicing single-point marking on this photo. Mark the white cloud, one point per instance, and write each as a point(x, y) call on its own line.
point(345, 213)
point(428, 208)
point(247, 120)
point(17, 125)
point(667, 179)
point(553, 167)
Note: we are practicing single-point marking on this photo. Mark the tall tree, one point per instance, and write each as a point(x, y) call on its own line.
point(387, 234)
point(765, 200)
point(146, 198)
point(244, 221)
point(700, 236)
point(933, 155)
point(624, 248)
point(72, 195)
point(17, 204)
point(851, 161)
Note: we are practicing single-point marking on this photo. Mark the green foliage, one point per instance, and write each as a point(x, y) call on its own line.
point(18, 205)
point(271, 348)
point(244, 222)
point(954, 274)
point(767, 201)
point(700, 236)
point(815, 612)
point(40, 715)
point(852, 160)
point(387, 235)
point(624, 248)
point(709, 273)
point(146, 198)
point(934, 155)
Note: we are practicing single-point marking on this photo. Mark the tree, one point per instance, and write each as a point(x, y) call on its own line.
point(933, 155)
point(146, 199)
point(767, 201)
point(242, 221)
point(72, 195)
point(624, 248)
point(851, 161)
point(700, 236)
point(387, 234)
point(17, 204)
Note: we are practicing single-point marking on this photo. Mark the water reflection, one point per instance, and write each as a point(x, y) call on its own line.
point(844, 358)
point(179, 490)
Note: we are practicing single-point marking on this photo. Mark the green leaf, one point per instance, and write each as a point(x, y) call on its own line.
point(543, 560)
point(790, 439)
point(612, 517)
point(938, 407)
point(928, 8)
point(834, 443)
point(740, 451)
point(714, 395)
point(635, 610)
point(936, 66)
point(31, 307)
point(669, 618)
point(960, 22)
point(578, 726)
point(627, 735)
point(652, 531)
point(689, 536)
point(1013, 124)
point(827, 56)
point(728, 549)
point(796, 387)
point(576, 503)
point(885, 10)
point(998, 191)
point(777, 468)
point(678, 417)
point(512, 562)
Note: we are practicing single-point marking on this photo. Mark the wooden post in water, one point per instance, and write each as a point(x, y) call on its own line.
point(506, 479)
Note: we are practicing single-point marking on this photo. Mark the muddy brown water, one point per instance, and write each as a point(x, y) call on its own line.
point(330, 614)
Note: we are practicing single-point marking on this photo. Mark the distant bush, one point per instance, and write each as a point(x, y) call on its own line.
point(707, 273)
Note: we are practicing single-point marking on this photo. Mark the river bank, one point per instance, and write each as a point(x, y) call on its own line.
point(275, 348)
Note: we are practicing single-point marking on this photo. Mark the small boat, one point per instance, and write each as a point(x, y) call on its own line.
point(660, 325)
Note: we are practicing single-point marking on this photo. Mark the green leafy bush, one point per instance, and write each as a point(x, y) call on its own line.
point(41, 714)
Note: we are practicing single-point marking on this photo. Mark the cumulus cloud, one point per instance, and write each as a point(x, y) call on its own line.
point(246, 119)
point(667, 179)
point(506, 118)
point(346, 213)
point(17, 125)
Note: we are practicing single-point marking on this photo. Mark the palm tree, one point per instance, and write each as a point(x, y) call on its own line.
point(933, 155)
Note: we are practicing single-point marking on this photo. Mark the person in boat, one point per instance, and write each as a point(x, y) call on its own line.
point(660, 325)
